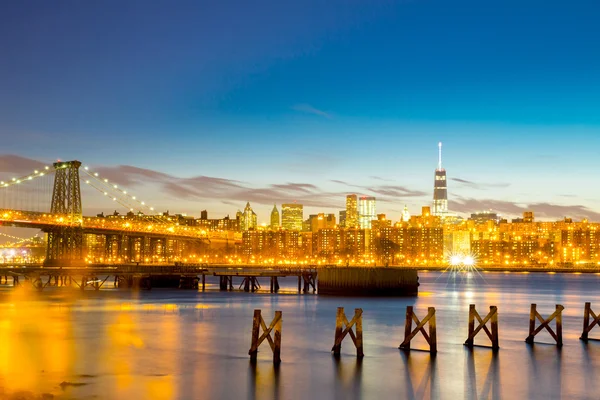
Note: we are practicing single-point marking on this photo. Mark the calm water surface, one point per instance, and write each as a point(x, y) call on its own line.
point(171, 344)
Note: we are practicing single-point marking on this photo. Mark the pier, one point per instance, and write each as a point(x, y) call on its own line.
point(146, 276)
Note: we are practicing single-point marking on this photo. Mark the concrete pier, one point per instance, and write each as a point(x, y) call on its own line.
point(367, 281)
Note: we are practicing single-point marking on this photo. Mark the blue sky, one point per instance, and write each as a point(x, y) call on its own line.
point(271, 96)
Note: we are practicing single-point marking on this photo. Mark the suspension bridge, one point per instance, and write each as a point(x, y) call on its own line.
point(50, 200)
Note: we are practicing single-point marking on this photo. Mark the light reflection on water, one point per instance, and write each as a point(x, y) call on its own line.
point(184, 344)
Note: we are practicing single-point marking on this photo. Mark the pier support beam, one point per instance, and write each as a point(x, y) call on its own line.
point(587, 326)
point(545, 323)
point(343, 328)
point(409, 333)
point(275, 342)
point(492, 317)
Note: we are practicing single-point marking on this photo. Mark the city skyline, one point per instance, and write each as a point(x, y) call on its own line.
point(279, 108)
point(231, 195)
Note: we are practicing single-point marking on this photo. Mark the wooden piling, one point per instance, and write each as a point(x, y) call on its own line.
point(275, 343)
point(587, 326)
point(343, 328)
point(203, 282)
point(545, 324)
point(409, 333)
point(492, 317)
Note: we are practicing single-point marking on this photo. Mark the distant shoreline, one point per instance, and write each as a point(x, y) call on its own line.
point(560, 270)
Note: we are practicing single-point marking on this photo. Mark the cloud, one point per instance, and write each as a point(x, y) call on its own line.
point(396, 191)
point(340, 182)
point(479, 186)
point(307, 108)
point(128, 175)
point(378, 178)
point(222, 189)
point(13, 164)
point(544, 210)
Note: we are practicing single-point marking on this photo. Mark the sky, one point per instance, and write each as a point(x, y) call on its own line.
point(207, 105)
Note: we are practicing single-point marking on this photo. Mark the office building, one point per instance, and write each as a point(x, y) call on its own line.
point(351, 211)
point(440, 189)
point(248, 220)
point(274, 218)
point(292, 216)
point(366, 212)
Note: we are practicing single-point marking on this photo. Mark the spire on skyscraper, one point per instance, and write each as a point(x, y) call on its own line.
point(440, 190)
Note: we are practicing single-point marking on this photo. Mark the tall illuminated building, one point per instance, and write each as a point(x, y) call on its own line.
point(274, 218)
point(248, 221)
point(440, 188)
point(366, 212)
point(351, 211)
point(292, 216)
point(405, 214)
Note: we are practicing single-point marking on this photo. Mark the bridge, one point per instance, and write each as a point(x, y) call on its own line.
point(140, 236)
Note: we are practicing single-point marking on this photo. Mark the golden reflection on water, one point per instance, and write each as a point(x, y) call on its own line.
point(420, 375)
point(48, 342)
point(37, 341)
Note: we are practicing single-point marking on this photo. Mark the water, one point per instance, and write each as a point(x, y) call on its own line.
point(174, 344)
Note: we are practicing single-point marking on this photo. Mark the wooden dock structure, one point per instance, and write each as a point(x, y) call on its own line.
point(147, 276)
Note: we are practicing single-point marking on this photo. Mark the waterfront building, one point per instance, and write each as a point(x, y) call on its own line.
point(353, 243)
point(270, 246)
point(351, 220)
point(457, 242)
point(274, 218)
point(327, 243)
point(292, 216)
point(222, 224)
point(440, 189)
point(366, 212)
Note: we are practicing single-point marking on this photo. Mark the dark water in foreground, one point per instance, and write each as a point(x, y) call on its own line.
point(191, 345)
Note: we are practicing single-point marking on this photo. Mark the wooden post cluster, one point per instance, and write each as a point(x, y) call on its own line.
point(587, 327)
point(545, 323)
point(492, 317)
point(343, 328)
point(275, 342)
point(409, 333)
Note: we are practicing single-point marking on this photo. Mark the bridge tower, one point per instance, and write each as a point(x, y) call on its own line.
point(65, 243)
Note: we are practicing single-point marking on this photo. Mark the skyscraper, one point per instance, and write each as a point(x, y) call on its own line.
point(249, 220)
point(351, 211)
point(440, 190)
point(405, 214)
point(292, 216)
point(342, 218)
point(366, 212)
point(274, 218)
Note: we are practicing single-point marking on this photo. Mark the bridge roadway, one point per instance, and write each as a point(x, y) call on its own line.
point(105, 226)
point(144, 276)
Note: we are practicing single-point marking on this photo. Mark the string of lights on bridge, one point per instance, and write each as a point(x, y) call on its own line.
point(95, 175)
point(113, 186)
point(36, 174)
point(19, 240)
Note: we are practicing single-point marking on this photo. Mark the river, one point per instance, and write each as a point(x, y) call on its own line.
point(176, 344)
